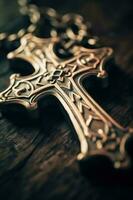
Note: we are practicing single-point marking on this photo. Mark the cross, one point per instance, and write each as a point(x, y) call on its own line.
point(98, 134)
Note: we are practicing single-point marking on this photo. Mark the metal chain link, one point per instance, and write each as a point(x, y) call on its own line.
point(8, 41)
point(71, 28)
point(34, 16)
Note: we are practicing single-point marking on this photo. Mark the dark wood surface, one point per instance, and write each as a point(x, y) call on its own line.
point(38, 160)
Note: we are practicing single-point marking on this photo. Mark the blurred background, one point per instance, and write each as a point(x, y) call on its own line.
point(108, 17)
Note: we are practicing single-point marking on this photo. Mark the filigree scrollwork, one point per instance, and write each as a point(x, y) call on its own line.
point(96, 130)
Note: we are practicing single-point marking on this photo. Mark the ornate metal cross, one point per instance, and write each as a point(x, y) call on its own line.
point(97, 132)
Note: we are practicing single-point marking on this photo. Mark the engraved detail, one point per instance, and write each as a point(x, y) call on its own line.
point(96, 131)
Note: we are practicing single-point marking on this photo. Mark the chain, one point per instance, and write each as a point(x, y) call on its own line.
point(70, 28)
point(34, 16)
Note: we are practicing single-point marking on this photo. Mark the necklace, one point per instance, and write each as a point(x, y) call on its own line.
point(71, 28)
point(61, 60)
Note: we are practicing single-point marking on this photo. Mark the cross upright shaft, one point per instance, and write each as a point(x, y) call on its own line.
point(97, 132)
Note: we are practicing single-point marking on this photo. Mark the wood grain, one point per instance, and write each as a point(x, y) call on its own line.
point(37, 160)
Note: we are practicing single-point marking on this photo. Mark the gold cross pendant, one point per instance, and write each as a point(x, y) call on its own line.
point(100, 137)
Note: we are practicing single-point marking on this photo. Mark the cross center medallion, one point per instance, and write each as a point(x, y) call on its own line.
point(98, 134)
